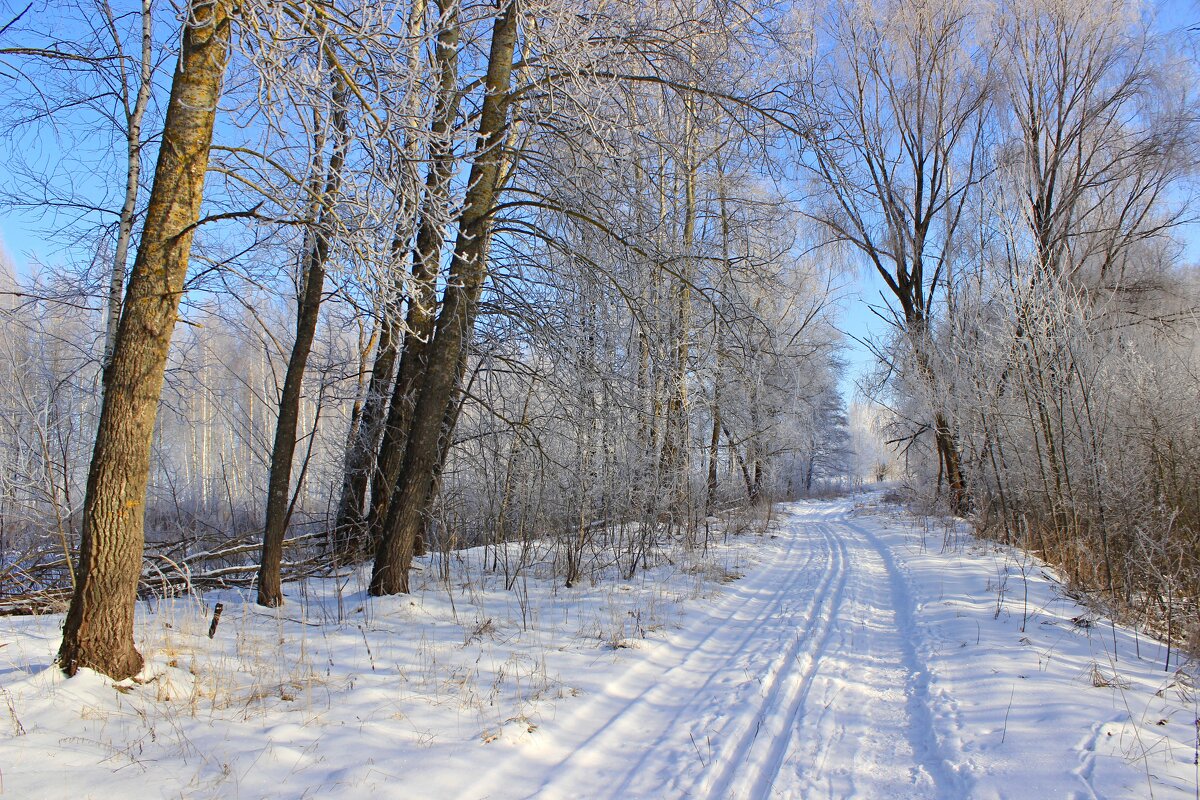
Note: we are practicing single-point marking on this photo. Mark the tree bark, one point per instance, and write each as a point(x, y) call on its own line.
point(947, 445)
point(917, 327)
point(98, 632)
point(316, 256)
point(350, 524)
point(676, 442)
point(350, 528)
point(746, 479)
point(714, 443)
point(443, 371)
point(422, 307)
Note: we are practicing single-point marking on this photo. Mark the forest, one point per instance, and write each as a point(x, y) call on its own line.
point(323, 286)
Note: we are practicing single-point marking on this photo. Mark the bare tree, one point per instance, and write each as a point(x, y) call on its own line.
point(420, 320)
point(445, 357)
point(325, 186)
point(897, 121)
point(1076, 284)
point(100, 82)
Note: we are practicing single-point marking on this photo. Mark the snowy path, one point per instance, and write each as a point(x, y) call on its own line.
point(804, 680)
point(855, 657)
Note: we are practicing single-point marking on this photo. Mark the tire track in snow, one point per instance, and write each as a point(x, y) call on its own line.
point(734, 728)
point(747, 740)
point(645, 688)
point(686, 720)
point(789, 689)
point(739, 660)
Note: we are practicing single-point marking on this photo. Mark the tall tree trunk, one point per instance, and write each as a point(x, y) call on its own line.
point(316, 256)
point(98, 632)
point(676, 449)
point(422, 306)
point(347, 518)
point(443, 370)
point(949, 457)
point(741, 461)
point(714, 442)
point(350, 527)
point(435, 484)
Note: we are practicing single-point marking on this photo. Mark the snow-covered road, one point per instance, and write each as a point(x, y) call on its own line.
point(811, 678)
point(803, 681)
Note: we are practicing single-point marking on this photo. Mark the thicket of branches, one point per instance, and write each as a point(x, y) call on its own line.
point(1022, 176)
point(645, 342)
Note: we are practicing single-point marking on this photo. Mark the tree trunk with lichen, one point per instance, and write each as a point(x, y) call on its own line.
point(98, 632)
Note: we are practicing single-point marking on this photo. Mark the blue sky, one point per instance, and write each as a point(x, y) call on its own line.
point(858, 321)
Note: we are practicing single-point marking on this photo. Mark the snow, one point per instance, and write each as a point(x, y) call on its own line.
point(849, 651)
